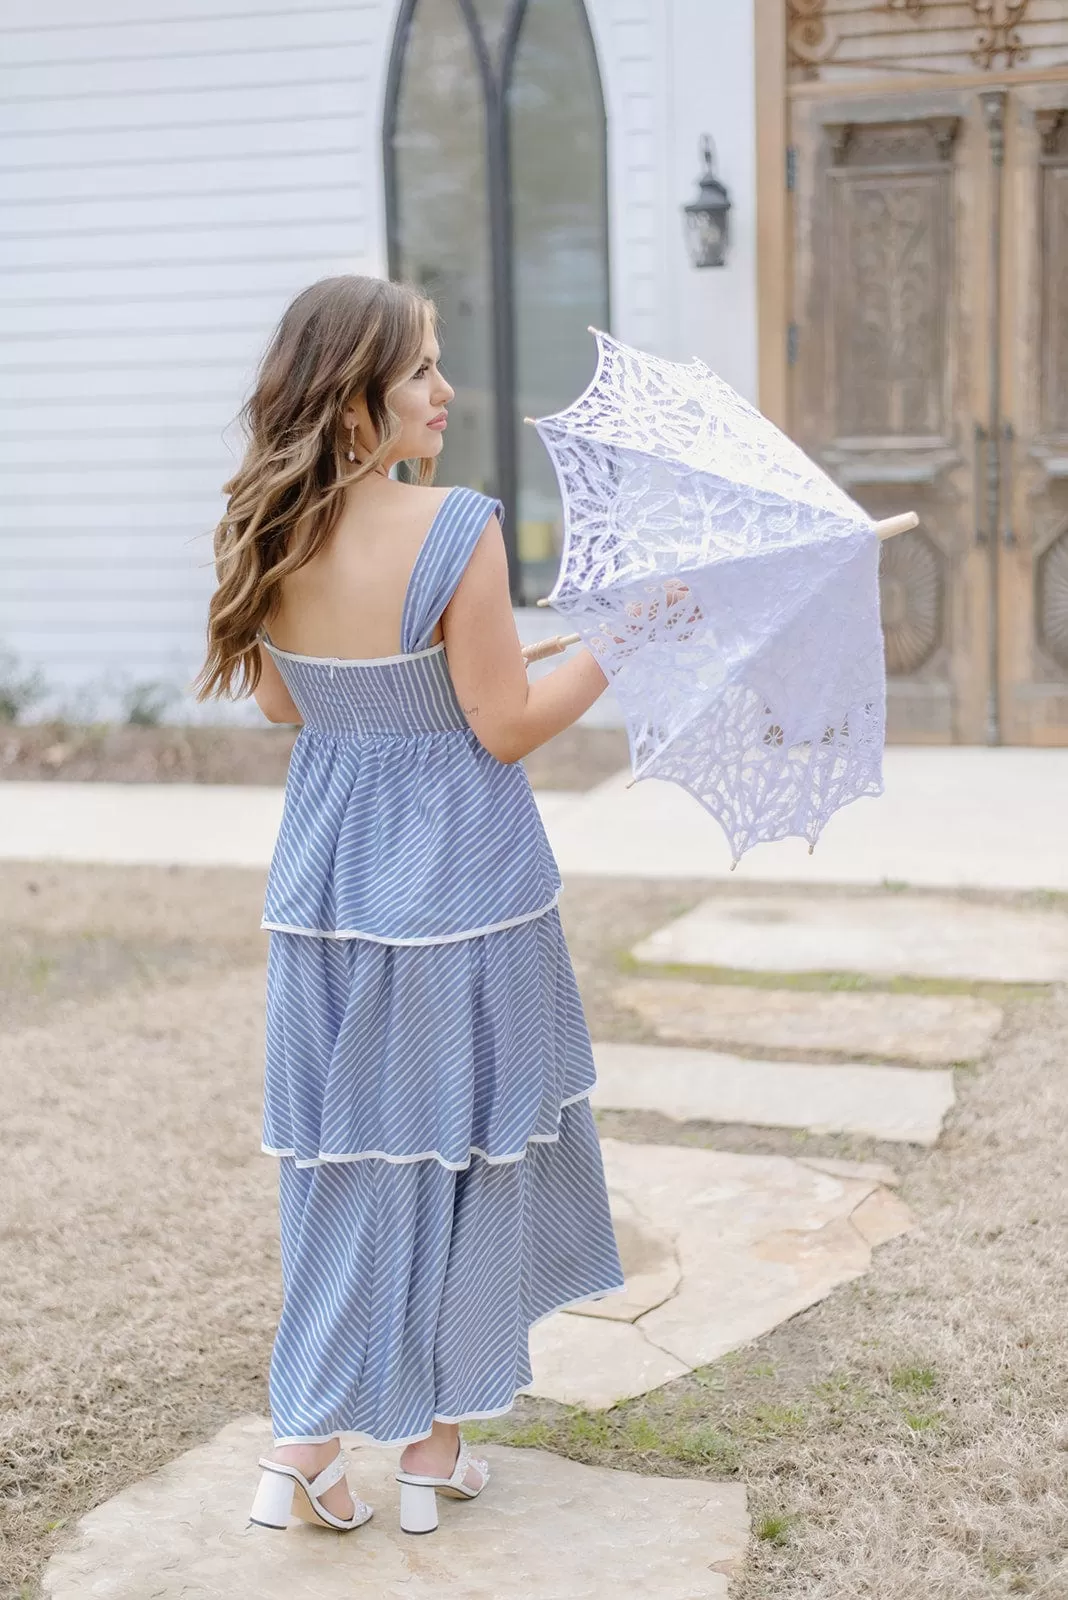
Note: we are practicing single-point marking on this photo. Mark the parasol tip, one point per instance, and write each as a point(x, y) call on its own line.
point(893, 525)
point(812, 849)
point(544, 602)
point(733, 865)
point(532, 421)
point(595, 331)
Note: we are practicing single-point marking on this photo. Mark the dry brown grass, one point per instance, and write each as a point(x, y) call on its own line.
point(907, 1438)
point(137, 1249)
point(121, 753)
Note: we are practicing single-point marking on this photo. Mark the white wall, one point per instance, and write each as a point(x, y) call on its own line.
point(713, 311)
point(166, 185)
point(673, 70)
point(168, 182)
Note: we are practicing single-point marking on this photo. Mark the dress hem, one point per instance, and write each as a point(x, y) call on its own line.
point(465, 1416)
point(423, 939)
point(323, 1160)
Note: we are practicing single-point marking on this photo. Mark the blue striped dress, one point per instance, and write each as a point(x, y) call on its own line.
point(428, 1066)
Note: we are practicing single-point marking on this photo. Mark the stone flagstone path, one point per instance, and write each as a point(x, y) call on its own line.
point(544, 1529)
point(889, 935)
point(929, 1030)
point(717, 1249)
point(904, 1104)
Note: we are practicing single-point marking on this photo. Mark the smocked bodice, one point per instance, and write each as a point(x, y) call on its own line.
point(399, 695)
point(398, 825)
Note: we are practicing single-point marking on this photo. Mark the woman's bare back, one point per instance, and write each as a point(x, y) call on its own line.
point(347, 602)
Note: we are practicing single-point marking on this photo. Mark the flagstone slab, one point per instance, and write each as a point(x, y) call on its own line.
point(881, 1217)
point(879, 1171)
point(544, 1527)
point(756, 1239)
point(889, 935)
point(931, 1030)
point(653, 1272)
point(903, 1104)
point(580, 1360)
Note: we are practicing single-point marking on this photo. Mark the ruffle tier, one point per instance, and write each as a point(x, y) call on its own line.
point(453, 1053)
point(406, 839)
point(410, 1289)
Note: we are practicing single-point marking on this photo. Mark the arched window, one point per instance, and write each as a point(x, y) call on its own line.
point(496, 203)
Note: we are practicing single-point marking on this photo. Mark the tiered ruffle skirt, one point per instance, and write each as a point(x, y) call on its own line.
point(441, 1185)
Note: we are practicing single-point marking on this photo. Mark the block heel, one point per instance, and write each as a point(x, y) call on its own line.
point(418, 1508)
point(418, 1498)
point(273, 1505)
point(284, 1491)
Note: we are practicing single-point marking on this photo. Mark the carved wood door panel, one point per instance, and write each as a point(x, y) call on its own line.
point(1033, 535)
point(888, 319)
point(928, 341)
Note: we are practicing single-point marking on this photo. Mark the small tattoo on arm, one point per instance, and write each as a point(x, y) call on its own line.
point(470, 711)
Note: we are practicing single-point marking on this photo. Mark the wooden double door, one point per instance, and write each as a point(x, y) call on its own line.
point(927, 342)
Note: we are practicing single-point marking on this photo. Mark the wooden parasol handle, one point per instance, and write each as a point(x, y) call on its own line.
point(891, 525)
point(885, 529)
point(550, 647)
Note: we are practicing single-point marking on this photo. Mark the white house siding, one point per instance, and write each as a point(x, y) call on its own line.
point(171, 173)
point(672, 71)
point(713, 90)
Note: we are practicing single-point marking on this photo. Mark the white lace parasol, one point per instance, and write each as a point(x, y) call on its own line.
point(728, 589)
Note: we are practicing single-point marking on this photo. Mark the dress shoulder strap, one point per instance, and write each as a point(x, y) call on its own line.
point(442, 561)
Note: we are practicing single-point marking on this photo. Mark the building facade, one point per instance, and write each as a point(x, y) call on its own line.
point(175, 170)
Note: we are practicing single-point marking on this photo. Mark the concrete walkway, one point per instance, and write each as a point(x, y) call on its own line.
point(950, 818)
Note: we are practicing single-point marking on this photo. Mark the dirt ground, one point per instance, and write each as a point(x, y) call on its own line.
point(124, 753)
point(906, 1438)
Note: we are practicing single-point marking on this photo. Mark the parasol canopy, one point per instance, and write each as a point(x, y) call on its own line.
point(729, 590)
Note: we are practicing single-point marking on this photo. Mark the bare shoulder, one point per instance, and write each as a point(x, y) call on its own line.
point(417, 500)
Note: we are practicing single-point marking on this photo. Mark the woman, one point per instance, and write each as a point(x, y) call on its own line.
point(428, 1065)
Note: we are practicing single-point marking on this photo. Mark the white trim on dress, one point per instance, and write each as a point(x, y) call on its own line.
point(323, 1160)
point(354, 661)
point(431, 938)
point(340, 1434)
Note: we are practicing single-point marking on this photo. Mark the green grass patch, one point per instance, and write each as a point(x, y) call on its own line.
point(767, 1421)
point(631, 1435)
point(709, 1447)
point(41, 970)
point(774, 1527)
point(536, 1434)
point(844, 1396)
point(828, 982)
point(914, 1380)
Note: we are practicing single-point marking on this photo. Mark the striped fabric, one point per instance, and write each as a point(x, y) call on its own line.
point(357, 1034)
point(409, 1290)
point(428, 1064)
point(398, 825)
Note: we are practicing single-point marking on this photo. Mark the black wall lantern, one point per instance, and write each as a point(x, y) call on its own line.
point(708, 217)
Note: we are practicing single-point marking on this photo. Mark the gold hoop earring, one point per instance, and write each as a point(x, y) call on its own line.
point(352, 443)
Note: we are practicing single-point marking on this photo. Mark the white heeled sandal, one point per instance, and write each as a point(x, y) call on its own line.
point(285, 1491)
point(418, 1496)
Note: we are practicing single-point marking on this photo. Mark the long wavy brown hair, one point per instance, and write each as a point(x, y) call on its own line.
point(339, 339)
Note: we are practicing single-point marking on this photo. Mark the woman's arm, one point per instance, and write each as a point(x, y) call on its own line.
point(271, 694)
point(509, 716)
